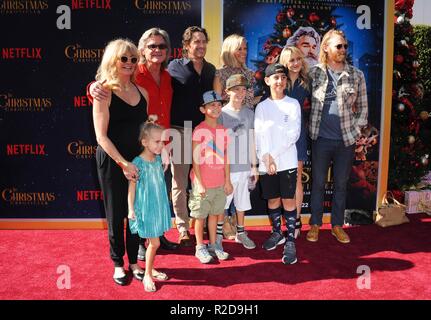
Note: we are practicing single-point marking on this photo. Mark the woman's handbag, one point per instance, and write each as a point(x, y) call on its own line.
point(391, 213)
point(424, 206)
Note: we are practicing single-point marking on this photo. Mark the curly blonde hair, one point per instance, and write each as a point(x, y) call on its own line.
point(108, 69)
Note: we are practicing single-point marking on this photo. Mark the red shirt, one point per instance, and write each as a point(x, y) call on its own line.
point(160, 98)
point(212, 158)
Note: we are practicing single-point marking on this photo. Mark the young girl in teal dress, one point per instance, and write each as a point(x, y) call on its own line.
point(149, 210)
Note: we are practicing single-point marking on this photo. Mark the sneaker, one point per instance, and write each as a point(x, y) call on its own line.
point(245, 240)
point(289, 253)
point(202, 254)
point(273, 241)
point(217, 253)
point(141, 252)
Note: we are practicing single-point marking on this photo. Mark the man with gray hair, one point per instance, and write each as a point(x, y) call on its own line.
point(307, 40)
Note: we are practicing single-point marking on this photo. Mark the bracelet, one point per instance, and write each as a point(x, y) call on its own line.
point(122, 165)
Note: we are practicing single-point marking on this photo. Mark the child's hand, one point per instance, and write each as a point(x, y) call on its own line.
point(131, 215)
point(201, 190)
point(228, 188)
point(255, 173)
point(272, 168)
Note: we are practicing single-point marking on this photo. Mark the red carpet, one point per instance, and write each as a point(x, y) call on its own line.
point(399, 259)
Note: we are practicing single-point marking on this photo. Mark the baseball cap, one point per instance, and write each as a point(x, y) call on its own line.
point(236, 80)
point(274, 69)
point(210, 96)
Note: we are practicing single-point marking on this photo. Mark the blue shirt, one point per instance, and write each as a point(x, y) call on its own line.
point(300, 93)
point(330, 127)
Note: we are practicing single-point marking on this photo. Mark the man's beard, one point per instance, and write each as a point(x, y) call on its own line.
point(311, 61)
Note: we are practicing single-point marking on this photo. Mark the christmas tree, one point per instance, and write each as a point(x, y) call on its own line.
point(288, 20)
point(409, 154)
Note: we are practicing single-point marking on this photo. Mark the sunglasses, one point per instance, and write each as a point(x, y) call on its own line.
point(125, 59)
point(339, 46)
point(161, 46)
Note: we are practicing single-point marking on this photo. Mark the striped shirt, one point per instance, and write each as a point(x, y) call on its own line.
point(351, 99)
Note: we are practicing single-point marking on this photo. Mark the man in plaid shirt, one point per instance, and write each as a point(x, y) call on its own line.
point(339, 110)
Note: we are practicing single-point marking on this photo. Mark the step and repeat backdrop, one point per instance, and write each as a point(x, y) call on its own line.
point(50, 50)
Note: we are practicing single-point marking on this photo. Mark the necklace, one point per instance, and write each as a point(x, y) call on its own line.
point(125, 87)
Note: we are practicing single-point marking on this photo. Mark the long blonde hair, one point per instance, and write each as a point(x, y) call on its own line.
point(229, 46)
point(323, 56)
point(108, 67)
point(286, 55)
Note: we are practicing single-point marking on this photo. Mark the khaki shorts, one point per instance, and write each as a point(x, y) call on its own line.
point(212, 204)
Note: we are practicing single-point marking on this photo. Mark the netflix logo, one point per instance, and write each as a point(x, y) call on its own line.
point(22, 53)
point(25, 149)
point(81, 101)
point(91, 4)
point(88, 195)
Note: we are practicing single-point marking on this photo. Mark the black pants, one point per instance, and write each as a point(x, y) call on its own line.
point(114, 186)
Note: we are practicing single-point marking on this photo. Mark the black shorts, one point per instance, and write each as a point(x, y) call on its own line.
point(280, 185)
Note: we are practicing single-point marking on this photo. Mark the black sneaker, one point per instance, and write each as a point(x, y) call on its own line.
point(273, 241)
point(289, 253)
point(142, 251)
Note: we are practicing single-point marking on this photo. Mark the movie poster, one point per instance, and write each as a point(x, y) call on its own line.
point(269, 25)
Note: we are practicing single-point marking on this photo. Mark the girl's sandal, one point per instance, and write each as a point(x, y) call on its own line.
point(160, 276)
point(149, 285)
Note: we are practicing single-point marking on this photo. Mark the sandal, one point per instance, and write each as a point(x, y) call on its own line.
point(149, 285)
point(160, 276)
point(298, 226)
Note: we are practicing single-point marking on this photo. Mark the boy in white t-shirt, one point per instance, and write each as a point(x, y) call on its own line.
point(277, 127)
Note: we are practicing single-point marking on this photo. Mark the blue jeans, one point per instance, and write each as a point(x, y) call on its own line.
point(323, 152)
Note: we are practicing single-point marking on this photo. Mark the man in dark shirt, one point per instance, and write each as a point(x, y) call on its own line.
point(191, 76)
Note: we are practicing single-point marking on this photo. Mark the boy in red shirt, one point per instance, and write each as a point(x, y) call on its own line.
point(210, 177)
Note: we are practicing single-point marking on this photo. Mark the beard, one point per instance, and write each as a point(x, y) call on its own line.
point(311, 61)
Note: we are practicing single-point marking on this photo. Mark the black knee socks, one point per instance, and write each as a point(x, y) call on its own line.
point(290, 217)
point(275, 216)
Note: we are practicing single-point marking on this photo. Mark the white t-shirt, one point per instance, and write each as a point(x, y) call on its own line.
point(277, 126)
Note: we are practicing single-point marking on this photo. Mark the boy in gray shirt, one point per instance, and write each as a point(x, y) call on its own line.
point(241, 153)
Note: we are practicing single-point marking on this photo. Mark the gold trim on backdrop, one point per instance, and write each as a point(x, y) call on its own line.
point(212, 21)
point(385, 126)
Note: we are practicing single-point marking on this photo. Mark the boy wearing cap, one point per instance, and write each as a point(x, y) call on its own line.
point(277, 126)
point(210, 177)
point(239, 121)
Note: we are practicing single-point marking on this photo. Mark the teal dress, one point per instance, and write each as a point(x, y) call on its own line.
point(152, 210)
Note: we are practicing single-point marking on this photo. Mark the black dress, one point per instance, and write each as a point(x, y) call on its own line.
point(123, 130)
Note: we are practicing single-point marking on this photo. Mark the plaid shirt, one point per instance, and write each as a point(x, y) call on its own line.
point(351, 99)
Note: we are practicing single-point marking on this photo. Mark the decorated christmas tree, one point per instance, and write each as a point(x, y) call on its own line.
point(287, 22)
point(409, 153)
